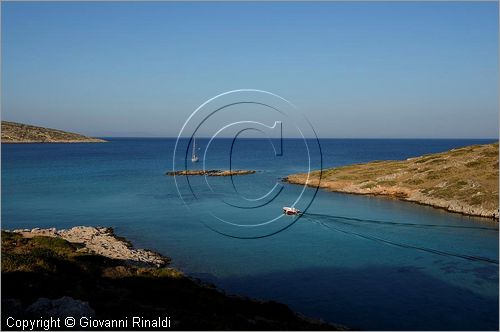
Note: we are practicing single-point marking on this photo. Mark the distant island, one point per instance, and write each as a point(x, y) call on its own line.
point(212, 172)
point(463, 180)
point(13, 132)
point(90, 272)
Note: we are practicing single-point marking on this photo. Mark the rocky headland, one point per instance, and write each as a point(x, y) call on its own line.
point(101, 241)
point(91, 272)
point(462, 180)
point(13, 132)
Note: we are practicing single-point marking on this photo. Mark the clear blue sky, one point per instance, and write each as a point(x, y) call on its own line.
point(355, 69)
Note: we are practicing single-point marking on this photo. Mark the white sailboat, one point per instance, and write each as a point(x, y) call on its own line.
point(194, 157)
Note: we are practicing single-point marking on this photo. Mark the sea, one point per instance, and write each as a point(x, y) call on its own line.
point(369, 263)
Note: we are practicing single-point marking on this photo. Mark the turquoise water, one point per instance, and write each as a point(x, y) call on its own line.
point(366, 262)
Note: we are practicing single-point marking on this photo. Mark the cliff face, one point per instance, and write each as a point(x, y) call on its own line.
point(463, 180)
point(13, 132)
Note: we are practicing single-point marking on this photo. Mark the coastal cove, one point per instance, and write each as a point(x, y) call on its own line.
point(337, 263)
point(250, 166)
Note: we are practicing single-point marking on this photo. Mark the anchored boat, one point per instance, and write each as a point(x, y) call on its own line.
point(194, 157)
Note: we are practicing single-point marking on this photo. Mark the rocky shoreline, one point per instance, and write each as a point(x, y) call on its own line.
point(462, 180)
point(212, 172)
point(87, 272)
point(101, 241)
point(400, 194)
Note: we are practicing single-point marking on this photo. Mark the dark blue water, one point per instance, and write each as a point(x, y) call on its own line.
point(366, 262)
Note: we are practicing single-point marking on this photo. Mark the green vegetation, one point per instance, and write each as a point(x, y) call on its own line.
point(52, 267)
point(13, 132)
point(461, 180)
point(414, 181)
point(387, 183)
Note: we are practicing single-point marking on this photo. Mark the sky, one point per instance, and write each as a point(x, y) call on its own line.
point(355, 70)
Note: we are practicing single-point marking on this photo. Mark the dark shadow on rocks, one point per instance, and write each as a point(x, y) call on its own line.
point(42, 279)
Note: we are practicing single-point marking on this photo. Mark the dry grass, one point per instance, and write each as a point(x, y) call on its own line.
point(52, 267)
point(460, 180)
point(13, 132)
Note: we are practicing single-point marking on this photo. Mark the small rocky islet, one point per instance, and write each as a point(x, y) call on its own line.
point(212, 172)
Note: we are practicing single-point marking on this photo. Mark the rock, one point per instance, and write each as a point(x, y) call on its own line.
point(212, 172)
point(463, 180)
point(13, 308)
point(102, 241)
point(64, 307)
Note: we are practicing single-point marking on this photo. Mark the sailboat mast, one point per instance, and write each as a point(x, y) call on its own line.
point(194, 147)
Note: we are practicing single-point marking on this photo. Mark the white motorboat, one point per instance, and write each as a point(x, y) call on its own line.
point(290, 211)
